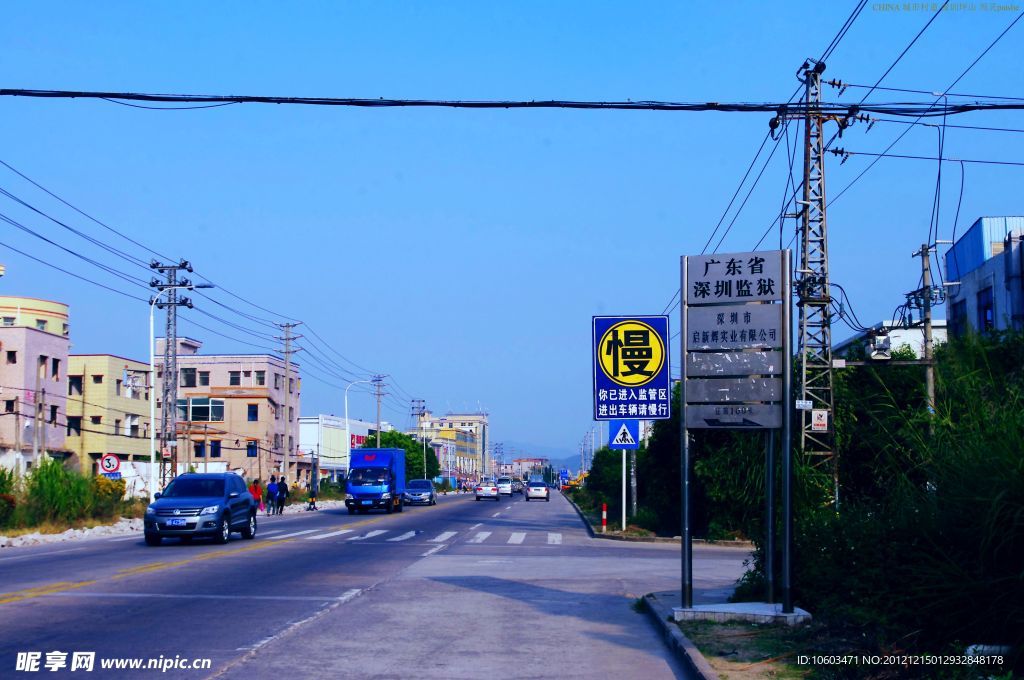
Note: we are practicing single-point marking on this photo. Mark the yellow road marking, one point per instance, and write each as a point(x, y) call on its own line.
point(29, 593)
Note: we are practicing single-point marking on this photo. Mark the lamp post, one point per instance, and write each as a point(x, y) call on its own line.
point(152, 381)
point(348, 429)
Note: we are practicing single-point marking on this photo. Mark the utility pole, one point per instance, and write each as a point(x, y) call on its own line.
point(378, 386)
point(419, 408)
point(923, 298)
point(169, 386)
point(288, 351)
point(812, 287)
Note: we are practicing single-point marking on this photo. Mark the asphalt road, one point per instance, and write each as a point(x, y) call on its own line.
point(463, 589)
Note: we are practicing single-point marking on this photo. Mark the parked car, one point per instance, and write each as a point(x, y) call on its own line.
point(538, 490)
point(201, 505)
point(420, 491)
point(505, 485)
point(487, 488)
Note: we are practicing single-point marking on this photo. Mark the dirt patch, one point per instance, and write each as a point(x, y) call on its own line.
point(739, 651)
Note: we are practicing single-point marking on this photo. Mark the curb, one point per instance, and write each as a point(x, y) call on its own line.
point(651, 539)
point(680, 645)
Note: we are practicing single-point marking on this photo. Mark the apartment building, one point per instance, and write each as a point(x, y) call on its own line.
point(33, 380)
point(236, 412)
point(430, 425)
point(322, 437)
point(108, 413)
point(987, 263)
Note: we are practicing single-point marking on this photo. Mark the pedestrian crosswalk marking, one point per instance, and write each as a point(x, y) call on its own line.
point(296, 533)
point(441, 538)
point(369, 534)
point(404, 537)
point(272, 531)
point(480, 537)
point(554, 539)
point(328, 535)
point(517, 537)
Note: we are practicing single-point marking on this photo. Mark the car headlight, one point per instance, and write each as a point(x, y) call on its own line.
point(150, 510)
point(385, 496)
point(210, 510)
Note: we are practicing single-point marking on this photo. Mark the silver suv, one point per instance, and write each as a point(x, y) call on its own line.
point(195, 505)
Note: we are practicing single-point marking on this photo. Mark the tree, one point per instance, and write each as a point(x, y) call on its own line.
point(413, 447)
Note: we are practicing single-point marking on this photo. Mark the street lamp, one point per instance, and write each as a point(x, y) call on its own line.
point(348, 429)
point(152, 381)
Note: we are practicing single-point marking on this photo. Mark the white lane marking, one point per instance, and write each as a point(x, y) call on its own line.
point(480, 537)
point(369, 534)
point(134, 537)
point(52, 552)
point(194, 596)
point(554, 539)
point(495, 514)
point(442, 537)
point(348, 595)
point(404, 537)
point(434, 550)
point(320, 537)
point(272, 531)
point(475, 526)
point(296, 533)
point(517, 537)
point(508, 507)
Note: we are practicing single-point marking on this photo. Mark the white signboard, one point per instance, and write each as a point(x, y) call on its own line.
point(714, 364)
point(819, 420)
point(734, 277)
point(724, 390)
point(734, 327)
point(738, 416)
point(803, 404)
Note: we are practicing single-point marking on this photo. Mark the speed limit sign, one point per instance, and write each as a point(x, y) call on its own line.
point(110, 463)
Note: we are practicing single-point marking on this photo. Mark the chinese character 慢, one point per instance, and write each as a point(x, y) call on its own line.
point(56, 660)
point(28, 661)
point(733, 267)
point(701, 289)
point(723, 288)
point(82, 660)
point(707, 265)
point(766, 286)
point(634, 350)
point(756, 265)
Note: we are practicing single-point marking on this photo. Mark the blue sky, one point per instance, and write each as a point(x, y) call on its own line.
point(464, 252)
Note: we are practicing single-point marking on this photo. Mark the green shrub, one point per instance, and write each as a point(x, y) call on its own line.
point(7, 508)
point(8, 481)
point(107, 496)
point(54, 493)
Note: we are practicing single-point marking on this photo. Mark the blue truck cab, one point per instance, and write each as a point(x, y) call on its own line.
point(376, 479)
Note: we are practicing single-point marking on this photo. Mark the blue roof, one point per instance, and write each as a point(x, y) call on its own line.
point(974, 248)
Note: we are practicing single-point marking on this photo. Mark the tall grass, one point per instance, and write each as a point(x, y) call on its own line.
point(54, 495)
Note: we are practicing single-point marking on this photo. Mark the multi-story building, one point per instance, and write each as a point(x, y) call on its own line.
point(33, 380)
point(987, 263)
point(322, 438)
point(896, 335)
point(457, 452)
point(430, 425)
point(108, 413)
point(236, 412)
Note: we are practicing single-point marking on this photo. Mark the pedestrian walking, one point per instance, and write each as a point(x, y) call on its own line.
point(282, 495)
point(271, 496)
point(256, 489)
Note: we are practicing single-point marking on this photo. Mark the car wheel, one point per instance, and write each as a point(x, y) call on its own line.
point(351, 511)
point(153, 539)
point(478, 497)
point(250, 529)
point(223, 530)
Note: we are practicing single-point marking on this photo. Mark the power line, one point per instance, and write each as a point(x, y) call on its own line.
point(947, 159)
point(70, 273)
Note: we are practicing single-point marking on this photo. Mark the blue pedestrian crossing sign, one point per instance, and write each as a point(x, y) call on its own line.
point(623, 434)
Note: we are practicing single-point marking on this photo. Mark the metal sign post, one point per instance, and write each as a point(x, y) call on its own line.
point(624, 435)
point(736, 327)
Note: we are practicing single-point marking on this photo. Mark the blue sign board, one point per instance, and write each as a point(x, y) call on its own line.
point(623, 434)
point(112, 475)
point(631, 368)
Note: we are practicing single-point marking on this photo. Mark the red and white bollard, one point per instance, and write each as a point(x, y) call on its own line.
point(604, 517)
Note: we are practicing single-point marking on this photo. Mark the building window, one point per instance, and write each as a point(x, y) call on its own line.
point(277, 381)
point(95, 420)
point(53, 415)
point(41, 324)
point(261, 377)
point(201, 410)
point(247, 375)
point(12, 357)
point(9, 406)
point(133, 426)
point(277, 441)
point(55, 369)
point(117, 387)
point(67, 330)
point(74, 426)
point(277, 413)
point(204, 378)
point(234, 378)
point(252, 449)
point(958, 318)
point(188, 377)
point(254, 413)
point(291, 413)
point(199, 448)
point(8, 320)
point(986, 310)
point(291, 442)
point(291, 385)
point(117, 426)
point(215, 448)
point(97, 380)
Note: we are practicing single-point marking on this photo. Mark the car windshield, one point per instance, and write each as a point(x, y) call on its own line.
point(181, 488)
point(419, 484)
point(537, 485)
point(504, 480)
point(374, 476)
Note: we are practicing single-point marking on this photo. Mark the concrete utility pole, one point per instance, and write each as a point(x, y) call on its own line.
point(419, 407)
point(812, 286)
point(923, 298)
point(169, 386)
point(288, 351)
point(378, 386)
